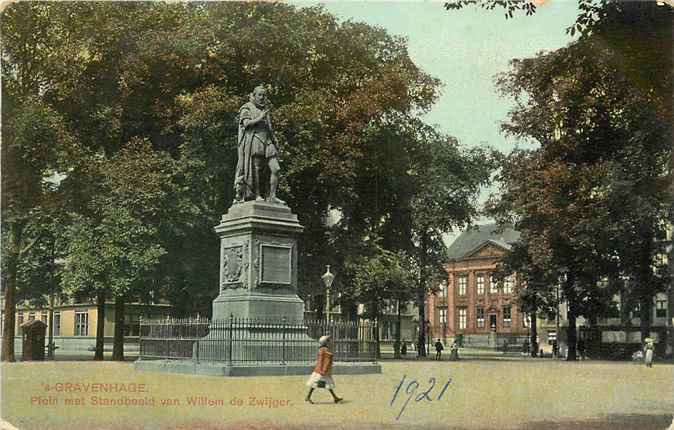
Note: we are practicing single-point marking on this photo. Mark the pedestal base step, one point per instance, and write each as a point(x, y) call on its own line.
point(271, 369)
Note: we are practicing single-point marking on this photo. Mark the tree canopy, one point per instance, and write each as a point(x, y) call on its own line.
point(592, 198)
point(134, 105)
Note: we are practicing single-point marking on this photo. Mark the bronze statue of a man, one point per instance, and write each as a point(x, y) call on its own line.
point(257, 147)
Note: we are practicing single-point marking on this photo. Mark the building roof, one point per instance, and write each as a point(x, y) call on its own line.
point(476, 236)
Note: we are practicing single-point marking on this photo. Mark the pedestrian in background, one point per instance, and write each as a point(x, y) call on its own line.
point(396, 349)
point(438, 350)
point(321, 377)
point(454, 351)
point(581, 349)
point(648, 352)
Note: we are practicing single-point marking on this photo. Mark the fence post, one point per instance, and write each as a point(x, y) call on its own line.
point(194, 329)
point(231, 342)
point(168, 334)
point(283, 344)
point(140, 337)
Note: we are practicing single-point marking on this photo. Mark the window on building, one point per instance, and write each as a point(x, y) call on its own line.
point(507, 316)
point(81, 324)
point(613, 309)
point(552, 337)
point(443, 290)
point(461, 284)
point(43, 317)
point(661, 259)
point(462, 312)
point(19, 319)
point(526, 321)
point(661, 308)
point(443, 316)
point(386, 329)
point(493, 285)
point(57, 323)
point(508, 283)
point(480, 317)
point(480, 284)
point(636, 311)
point(31, 316)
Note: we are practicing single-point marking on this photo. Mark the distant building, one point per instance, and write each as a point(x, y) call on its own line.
point(388, 319)
point(471, 303)
point(75, 324)
point(618, 333)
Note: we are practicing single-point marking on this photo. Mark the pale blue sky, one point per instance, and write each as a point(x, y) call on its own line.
point(465, 49)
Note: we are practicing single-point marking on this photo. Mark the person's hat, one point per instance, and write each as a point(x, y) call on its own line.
point(323, 340)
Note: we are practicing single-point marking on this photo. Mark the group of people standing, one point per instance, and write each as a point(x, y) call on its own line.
point(453, 350)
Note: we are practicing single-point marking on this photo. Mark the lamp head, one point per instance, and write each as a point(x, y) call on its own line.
point(328, 277)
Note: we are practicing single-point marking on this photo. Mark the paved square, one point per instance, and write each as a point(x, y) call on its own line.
point(470, 394)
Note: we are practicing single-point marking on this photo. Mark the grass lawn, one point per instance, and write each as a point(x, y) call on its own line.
point(482, 394)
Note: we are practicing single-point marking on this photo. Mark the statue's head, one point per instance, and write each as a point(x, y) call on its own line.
point(259, 95)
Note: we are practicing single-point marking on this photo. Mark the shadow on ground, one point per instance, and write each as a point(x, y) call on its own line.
point(612, 422)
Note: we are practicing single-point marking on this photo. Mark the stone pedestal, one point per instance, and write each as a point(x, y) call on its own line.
point(258, 284)
point(493, 339)
point(258, 263)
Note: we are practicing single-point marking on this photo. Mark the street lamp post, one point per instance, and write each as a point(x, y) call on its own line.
point(563, 276)
point(669, 348)
point(327, 278)
point(556, 350)
point(55, 262)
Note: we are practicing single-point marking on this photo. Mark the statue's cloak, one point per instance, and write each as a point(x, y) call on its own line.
point(257, 140)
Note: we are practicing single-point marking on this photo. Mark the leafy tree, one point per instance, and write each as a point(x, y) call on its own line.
point(114, 250)
point(447, 180)
point(343, 94)
point(601, 138)
point(377, 278)
point(33, 140)
point(535, 291)
point(336, 90)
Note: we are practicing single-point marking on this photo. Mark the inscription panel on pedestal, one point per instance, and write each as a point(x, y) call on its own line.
point(275, 264)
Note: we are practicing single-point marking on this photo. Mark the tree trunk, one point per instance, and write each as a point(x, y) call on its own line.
point(421, 298)
point(593, 345)
point(376, 338)
point(645, 312)
point(669, 349)
point(12, 259)
point(398, 335)
point(644, 288)
point(100, 325)
point(624, 305)
point(534, 335)
point(571, 334)
point(9, 324)
point(320, 308)
point(421, 340)
point(118, 341)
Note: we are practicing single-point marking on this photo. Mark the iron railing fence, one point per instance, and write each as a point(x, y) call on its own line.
point(247, 341)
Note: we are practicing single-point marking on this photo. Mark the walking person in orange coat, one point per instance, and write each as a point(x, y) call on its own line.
point(322, 374)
